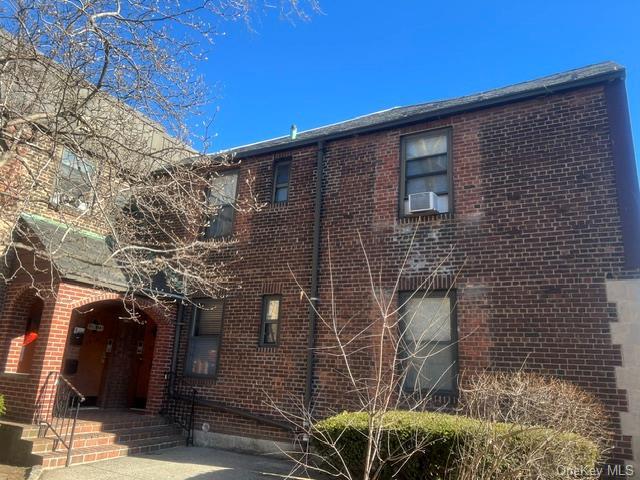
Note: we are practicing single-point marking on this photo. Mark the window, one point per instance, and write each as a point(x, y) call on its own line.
point(73, 182)
point(428, 331)
point(270, 320)
point(281, 172)
point(222, 195)
point(204, 341)
point(426, 168)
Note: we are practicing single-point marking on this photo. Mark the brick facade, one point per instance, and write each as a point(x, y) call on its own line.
point(535, 233)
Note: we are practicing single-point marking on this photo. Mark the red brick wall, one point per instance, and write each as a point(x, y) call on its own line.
point(20, 390)
point(535, 231)
point(270, 242)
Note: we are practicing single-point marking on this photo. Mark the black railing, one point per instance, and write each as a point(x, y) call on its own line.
point(57, 410)
point(179, 403)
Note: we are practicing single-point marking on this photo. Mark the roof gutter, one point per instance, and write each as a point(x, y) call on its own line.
point(445, 111)
point(315, 262)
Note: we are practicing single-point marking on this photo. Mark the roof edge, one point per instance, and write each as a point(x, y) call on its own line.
point(74, 229)
point(616, 73)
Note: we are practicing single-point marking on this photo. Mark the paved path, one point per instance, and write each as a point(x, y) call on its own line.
point(181, 463)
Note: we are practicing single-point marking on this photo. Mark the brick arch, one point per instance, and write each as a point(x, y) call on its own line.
point(13, 320)
point(149, 308)
point(164, 335)
point(15, 297)
point(95, 299)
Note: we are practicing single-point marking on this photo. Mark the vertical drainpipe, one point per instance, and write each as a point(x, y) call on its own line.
point(315, 261)
point(176, 343)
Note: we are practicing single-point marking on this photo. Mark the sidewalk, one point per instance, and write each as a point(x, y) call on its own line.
point(192, 463)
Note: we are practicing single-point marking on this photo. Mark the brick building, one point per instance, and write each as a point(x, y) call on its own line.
point(524, 202)
point(536, 193)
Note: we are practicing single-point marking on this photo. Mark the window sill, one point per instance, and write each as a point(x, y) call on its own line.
point(199, 380)
point(278, 205)
point(267, 348)
point(429, 217)
point(223, 239)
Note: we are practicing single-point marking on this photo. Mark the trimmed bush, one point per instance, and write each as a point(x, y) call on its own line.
point(436, 440)
point(3, 409)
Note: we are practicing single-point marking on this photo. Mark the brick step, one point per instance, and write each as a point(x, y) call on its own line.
point(87, 426)
point(103, 452)
point(95, 439)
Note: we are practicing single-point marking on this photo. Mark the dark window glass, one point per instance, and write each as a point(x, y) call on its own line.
point(221, 225)
point(426, 168)
point(270, 320)
point(435, 183)
point(223, 196)
point(204, 341)
point(429, 350)
point(281, 195)
point(281, 181)
point(427, 165)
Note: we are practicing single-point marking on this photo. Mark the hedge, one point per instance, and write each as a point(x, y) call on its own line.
point(441, 438)
point(3, 409)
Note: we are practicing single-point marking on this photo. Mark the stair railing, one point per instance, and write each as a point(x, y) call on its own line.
point(57, 410)
point(179, 403)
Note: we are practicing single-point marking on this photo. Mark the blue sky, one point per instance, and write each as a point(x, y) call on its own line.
point(359, 57)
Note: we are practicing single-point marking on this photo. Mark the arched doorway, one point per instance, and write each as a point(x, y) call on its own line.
point(31, 334)
point(108, 355)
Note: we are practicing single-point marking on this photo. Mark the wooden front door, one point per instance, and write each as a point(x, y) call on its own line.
point(141, 365)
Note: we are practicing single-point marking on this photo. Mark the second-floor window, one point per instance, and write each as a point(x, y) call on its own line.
point(425, 185)
point(223, 196)
point(74, 181)
point(281, 173)
point(204, 340)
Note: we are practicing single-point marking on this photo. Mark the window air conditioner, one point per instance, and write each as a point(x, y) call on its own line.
point(423, 202)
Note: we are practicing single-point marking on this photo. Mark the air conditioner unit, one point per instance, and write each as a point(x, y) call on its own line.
point(423, 202)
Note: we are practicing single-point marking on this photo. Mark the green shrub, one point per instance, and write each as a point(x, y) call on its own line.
point(3, 409)
point(436, 440)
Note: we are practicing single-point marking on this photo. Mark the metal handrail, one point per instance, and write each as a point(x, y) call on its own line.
point(57, 410)
point(179, 403)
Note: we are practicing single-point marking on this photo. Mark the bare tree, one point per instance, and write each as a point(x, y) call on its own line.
point(100, 109)
point(381, 364)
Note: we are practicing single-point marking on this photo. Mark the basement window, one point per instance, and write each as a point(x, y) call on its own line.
point(222, 195)
point(204, 339)
point(425, 180)
point(281, 171)
point(270, 323)
point(428, 343)
point(73, 181)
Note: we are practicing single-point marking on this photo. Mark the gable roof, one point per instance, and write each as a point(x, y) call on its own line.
point(396, 116)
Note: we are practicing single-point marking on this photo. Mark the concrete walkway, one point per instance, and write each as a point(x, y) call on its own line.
point(193, 463)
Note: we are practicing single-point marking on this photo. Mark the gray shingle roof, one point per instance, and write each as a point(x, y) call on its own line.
point(77, 254)
point(399, 115)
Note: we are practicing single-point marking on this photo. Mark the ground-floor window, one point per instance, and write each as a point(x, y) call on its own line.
point(428, 340)
point(204, 340)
